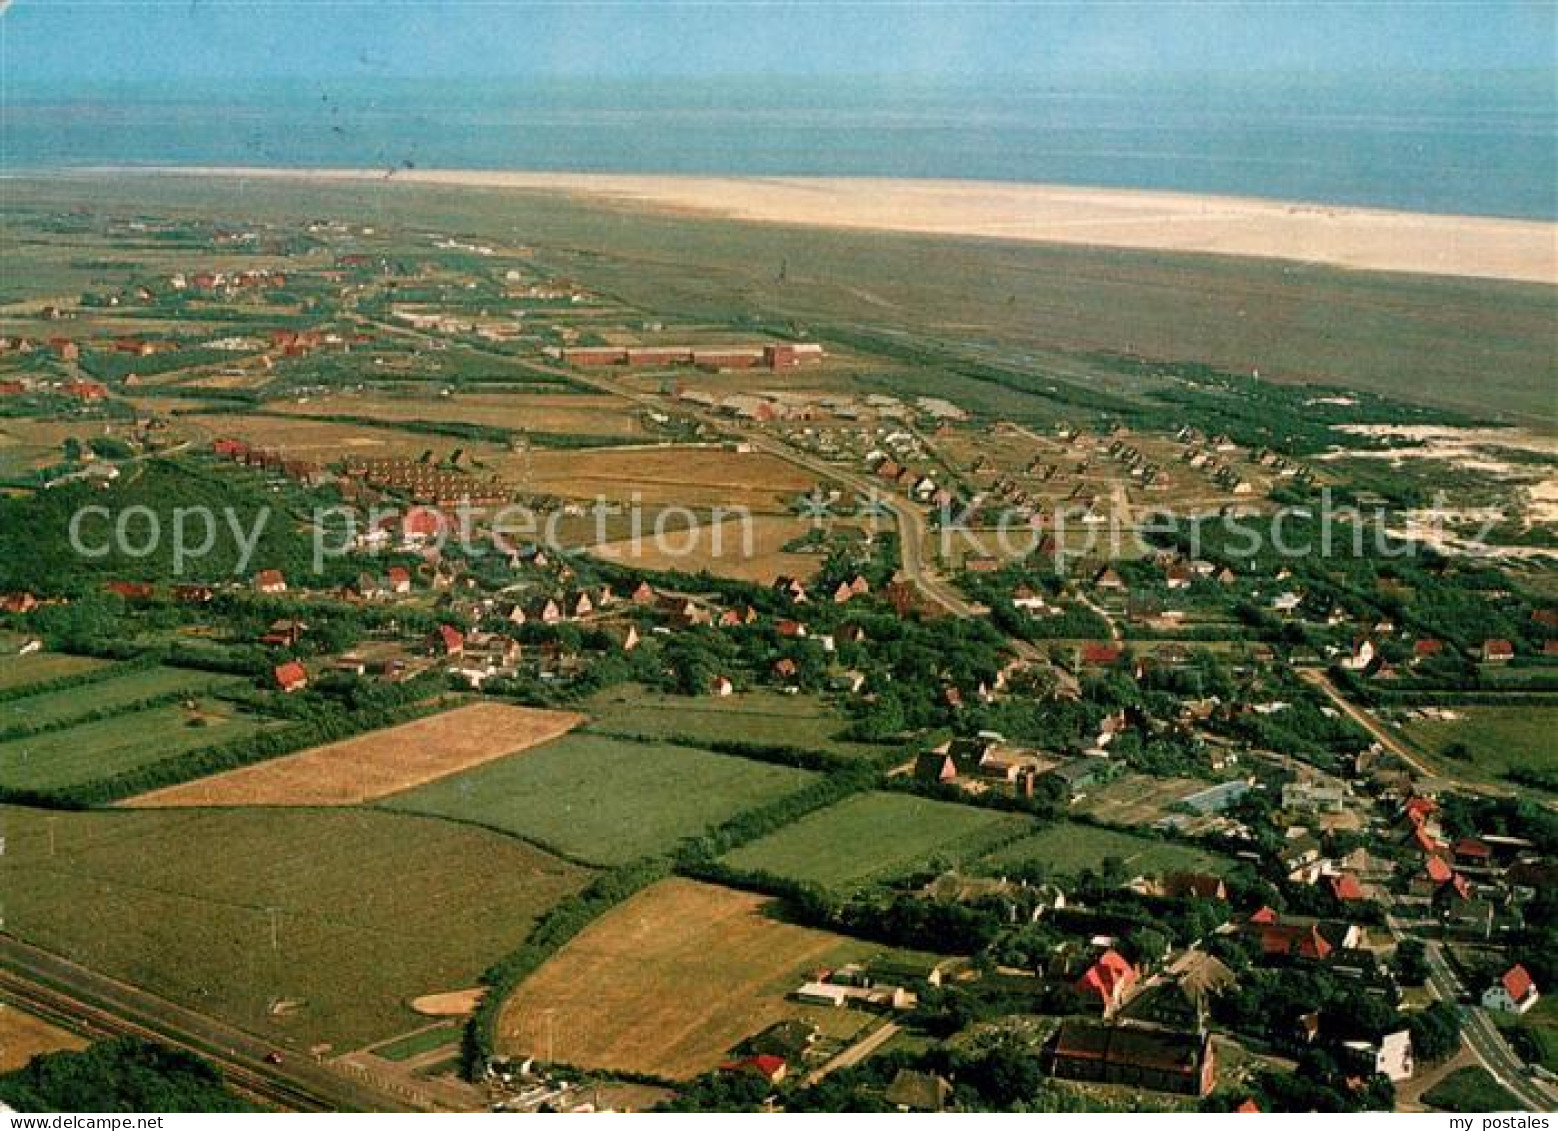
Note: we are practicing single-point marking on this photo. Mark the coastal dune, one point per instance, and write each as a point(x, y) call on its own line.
point(1337, 236)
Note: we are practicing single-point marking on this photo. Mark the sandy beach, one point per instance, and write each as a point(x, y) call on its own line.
point(1357, 238)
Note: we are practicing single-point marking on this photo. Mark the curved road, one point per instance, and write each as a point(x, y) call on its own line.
point(1484, 1039)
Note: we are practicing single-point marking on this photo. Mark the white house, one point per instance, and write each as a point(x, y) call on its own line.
point(1514, 992)
point(1390, 1057)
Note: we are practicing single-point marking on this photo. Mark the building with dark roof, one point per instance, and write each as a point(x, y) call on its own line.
point(1159, 1060)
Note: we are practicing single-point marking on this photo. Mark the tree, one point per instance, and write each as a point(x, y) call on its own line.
point(1436, 1031)
point(1412, 962)
point(1146, 945)
point(124, 1075)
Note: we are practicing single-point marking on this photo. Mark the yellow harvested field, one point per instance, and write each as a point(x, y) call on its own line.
point(670, 475)
point(666, 983)
point(583, 414)
point(747, 550)
point(378, 764)
point(23, 1036)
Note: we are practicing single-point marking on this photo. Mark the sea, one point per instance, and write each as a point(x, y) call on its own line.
point(1480, 144)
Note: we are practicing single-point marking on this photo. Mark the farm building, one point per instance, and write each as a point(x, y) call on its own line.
point(1160, 1060)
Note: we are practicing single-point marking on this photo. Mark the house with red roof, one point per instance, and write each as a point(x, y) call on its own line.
point(770, 1067)
point(1294, 940)
point(290, 676)
point(22, 602)
point(1107, 981)
point(399, 578)
point(1100, 653)
point(1426, 648)
point(447, 640)
point(420, 524)
point(85, 390)
point(1497, 651)
point(1300, 936)
point(1346, 888)
point(1470, 852)
point(1437, 870)
point(270, 581)
point(1513, 992)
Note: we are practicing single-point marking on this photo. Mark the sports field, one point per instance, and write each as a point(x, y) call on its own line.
point(300, 925)
point(604, 800)
point(378, 764)
point(1067, 848)
point(875, 836)
point(92, 751)
point(668, 982)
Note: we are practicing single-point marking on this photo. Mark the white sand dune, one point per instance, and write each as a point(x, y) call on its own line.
point(1358, 238)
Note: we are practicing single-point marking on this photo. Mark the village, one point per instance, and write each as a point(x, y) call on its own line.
point(880, 810)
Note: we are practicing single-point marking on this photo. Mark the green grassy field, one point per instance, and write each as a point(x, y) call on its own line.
point(1067, 848)
point(41, 667)
point(416, 1044)
point(875, 836)
point(118, 691)
point(762, 717)
point(605, 800)
point(371, 909)
point(1471, 1089)
point(1500, 740)
point(59, 759)
point(1534, 1034)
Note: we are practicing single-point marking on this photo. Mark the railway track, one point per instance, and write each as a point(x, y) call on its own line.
point(96, 1023)
point(95, 1004)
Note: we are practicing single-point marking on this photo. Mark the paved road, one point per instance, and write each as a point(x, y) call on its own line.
point(58, 986)
point(1482, 1036)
